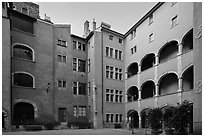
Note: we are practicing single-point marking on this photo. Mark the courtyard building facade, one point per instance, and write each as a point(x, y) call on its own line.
point(104, 79)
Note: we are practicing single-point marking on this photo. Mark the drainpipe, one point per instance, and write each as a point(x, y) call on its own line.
point(102, 78)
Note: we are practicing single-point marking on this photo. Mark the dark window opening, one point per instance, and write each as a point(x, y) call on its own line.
point(62, 114)
point(24, 80)
point(168, 51)
point(188, 42)
point(81, 65)
point(133, 119)
point(22, 24)
point(132, 94)
point(188, 79)
point(23, 52)
point(82, 89)
point(148, 90)
point(168, 84)
point(132, 69)
point(23, 112)
point(148, 61)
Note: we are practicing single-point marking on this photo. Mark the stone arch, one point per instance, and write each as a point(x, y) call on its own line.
point(187, 41)
point(144, 118)
point(133, 118)
point(132, 69)
point(26, 46)
point(168, 51)
point(147, 61)
point(147, 89)
point(132, 94)
point(187, 78)
point(30, 102)
point(27, 73)
point(168, 83)
point(5, 119)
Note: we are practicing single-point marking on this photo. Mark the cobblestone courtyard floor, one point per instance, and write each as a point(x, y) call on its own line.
point(79, 132)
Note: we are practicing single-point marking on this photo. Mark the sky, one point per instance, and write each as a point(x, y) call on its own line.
point(120, 15)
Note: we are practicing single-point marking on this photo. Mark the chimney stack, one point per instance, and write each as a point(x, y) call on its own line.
point(94, 25)
point(86, 29)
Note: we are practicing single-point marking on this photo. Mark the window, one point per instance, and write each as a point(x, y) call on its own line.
point(120, 40)
point(151, 18)
point(110, 37)
point(174, 21)
point(111, 117)
point(117, 118)
point(62, 83)
point(82, 88)
point(74, 61)
point(74, 45)
point(89, 65)
point(82, 110)
point(81, 65)
point(111, 52)
point(79, 88)
point(59, 83)
point(89, 88)
point(133, 34)
point(75, 110)
point(111, 95)
point(134, 50)
point(22, 24)
point(59, 58)
point(173, 3)
point(23, 52)
point(120, 96)
point(84, 47)
point(120, 55)
point(111, 72)
point(151, 37)
point(116, 53)
point(107, 95)
point(62, 43)
point(23, 79)
point(79, 46)
point(64, 59)
point(107, 51)
point(107, 117)
point(116, 73)
point(120, 74)
point(75, 88)
point(107, 71)
point(121, 118)
point(24, 10)
point(62, 114)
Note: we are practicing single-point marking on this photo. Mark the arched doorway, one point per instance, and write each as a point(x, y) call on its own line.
point(144, 117)
point(23, 112)
point(133, 119)
point(4, 119)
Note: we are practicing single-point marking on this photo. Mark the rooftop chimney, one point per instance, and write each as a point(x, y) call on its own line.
point(47, 18)
point(86, 29)
point(105, 25)
point(94, 25)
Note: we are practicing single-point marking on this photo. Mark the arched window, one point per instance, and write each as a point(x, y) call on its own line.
point(148, 61)
point(168, 84)
point(23, 79)
point(23, 51)
point(188, 79)
point(187, 41)
point(168, 51)
point(132, 94)
point(132, 69)
point(148, 89)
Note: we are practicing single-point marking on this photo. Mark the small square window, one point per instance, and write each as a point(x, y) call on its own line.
point(24, 10)
point(59, 58)
point(120, 40)
point(74, 45)
point(64, 84)
point(132, 51)
point(59, 83)
point(174, 21)
point(110, 37)
point(64, 58)
point(150, 18)
point(151, 37)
